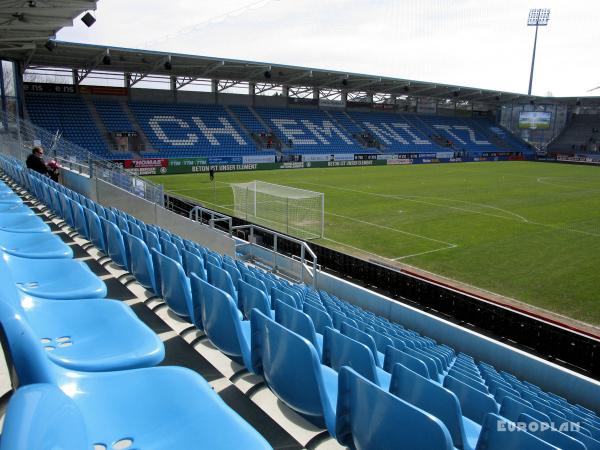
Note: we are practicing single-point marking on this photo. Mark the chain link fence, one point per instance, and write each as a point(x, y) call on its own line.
point(18, 136)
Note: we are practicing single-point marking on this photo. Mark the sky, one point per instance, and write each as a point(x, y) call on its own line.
point(476, 43)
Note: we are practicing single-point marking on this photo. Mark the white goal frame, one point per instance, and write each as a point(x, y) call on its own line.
point(297, 212)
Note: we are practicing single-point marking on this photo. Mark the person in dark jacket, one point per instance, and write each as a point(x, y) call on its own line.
point(35, 161)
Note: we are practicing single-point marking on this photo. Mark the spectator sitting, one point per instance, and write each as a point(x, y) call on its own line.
point(35, 161)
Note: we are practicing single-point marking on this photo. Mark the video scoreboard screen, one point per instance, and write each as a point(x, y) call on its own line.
point(534, 120)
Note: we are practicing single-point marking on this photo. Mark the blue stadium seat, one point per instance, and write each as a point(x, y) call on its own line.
point(34, 245)
point(551, 435)
point(51, 278)
point(115, 246)
point(193, 263)
point(435, 399)
point(300, 323)
point(220, 278)
point(174, 286)
point(251, 297)
point(474, 404)
point(365, 338)
point(340, 350)
point(369, 418)
point(22, 223)
point(141, 265)
point(320, 318)
point(394, 356)
point(293, 371)
point(223, 325)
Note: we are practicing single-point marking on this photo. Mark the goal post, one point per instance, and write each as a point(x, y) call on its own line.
point(297, 212)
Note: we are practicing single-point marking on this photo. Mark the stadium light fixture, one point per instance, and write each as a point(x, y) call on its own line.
point(538, 17)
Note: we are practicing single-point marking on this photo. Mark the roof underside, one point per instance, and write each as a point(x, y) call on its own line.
point(27, 24)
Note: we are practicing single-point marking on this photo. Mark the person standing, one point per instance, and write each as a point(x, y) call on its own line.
point(35, 161)
point(211, 174)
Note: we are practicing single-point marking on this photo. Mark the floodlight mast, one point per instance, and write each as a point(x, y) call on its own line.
point(538, 17)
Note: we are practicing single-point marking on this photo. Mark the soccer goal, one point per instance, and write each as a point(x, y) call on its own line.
point(293, 211)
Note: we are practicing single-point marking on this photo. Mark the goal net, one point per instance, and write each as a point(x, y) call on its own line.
point(293, 211)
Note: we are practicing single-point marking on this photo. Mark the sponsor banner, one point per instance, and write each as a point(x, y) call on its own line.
point(302, 101)
point(292, 165)
point(426, 106)
point(50, 87)
point(394, 162)
point(188, 162)
point(342, 157)
point(141, 163)
point(444, 155)
point(359, 156)
point(332, 103)
point(383, 106)
point(253, 159)
point(124, 133)
point(318, 157)
point(103, 90)
point(225, 160)
point(225, 168)
point(578, 158)
point(351, 104)
point(367, 162)
point(387, 157)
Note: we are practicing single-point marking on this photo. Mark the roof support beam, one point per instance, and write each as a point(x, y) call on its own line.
point(300, 76)
point(94, 63)
point(365, 84)
point(140, 76)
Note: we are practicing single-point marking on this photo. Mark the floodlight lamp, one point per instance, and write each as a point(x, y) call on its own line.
point(538, 17)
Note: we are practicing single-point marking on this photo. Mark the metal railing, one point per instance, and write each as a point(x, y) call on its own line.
point(18, 136)
point(304, 249)
point(197, 212)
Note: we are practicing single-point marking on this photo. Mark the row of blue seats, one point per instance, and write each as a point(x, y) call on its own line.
point(235, 292)
point(70, 346)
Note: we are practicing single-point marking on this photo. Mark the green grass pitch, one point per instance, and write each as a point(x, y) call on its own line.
point(526, 230)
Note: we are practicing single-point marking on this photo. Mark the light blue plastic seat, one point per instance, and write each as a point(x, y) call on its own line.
point(66, 209)
point(14, 208)
point(512, 408)
point(137, 404)
point(320, 318)
point(279, 295)
point(122, 223)
point(234, 273)
point(300, 323)
point(51, 278)
point(115, 246)
point(431, 365)
point(192, 263)
point(11, 198)
point(220, 278)
point(22, 223)
point(293, 372)
point(151, 240)
point(365, 338)
point(135, 230)
point(141, 265)
point(34, 245)
point(340, 350)
point(170, 249)
point(474, 404)
point(223, 325)
point(369, 418)
point(79, 219)
point(251, 297)
point(96, 235)
point(92, 334)
point(175, 286)
point(493, 437)
point(437, 400)
point(394, 356)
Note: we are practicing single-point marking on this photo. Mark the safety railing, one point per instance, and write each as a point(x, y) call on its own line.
point(304, 250)
point(197, 212)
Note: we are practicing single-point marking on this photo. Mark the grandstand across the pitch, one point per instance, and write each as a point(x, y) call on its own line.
point(298, 212)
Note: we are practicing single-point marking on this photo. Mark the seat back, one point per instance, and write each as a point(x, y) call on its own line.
point(135, 230)
point(79, 219)
point(512, 409)
point(394, 356)
point(250, 297)
point(381, 340)
point(151, 240)
point(174, 286)
point(360, 336)
point(115, 246)
point(233, 272)
point(192, 263)
point(499, 434)
point(278, 294)
point(197, 300)
point(122, 223)
point(95, 229)
point(222, 324)
point(221, 279)
point(258, 324)
point(368, 417)
point(320, 318)
point(431, 397)
point(259, 284)
point(474, 404)
point(41, 416)
point(141, 265)
point(340, 350)
point(170, 249)
point(292, 370)
point(297, 321)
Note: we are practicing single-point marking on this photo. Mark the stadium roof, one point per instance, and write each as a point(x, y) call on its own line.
point(89, 57)
point(27, 24)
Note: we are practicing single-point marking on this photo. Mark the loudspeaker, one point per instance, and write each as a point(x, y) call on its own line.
point(50, 45)
point(106, 60)
point(267, 74)
point(168, 65)
point(344, 82)
point(497, 98)
point(88, 19)
point(406, 89)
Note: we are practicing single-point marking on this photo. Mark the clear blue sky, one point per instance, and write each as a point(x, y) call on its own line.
point(467, 42)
